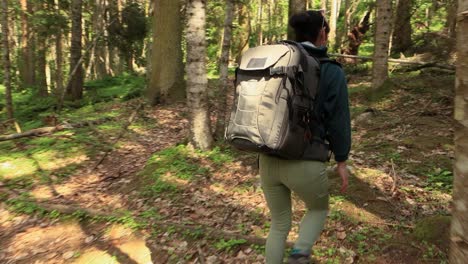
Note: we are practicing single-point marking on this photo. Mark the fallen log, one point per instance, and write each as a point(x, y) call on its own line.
point(52, 129)
point(424, 64)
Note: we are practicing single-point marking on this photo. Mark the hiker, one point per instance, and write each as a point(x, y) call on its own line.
point(305, 176)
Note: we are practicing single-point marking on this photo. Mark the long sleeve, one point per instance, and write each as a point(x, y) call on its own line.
point(336, 114)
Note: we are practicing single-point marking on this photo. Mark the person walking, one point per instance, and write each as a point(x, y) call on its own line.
point(307, 176)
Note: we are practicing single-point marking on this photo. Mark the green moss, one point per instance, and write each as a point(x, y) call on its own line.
point(433, 229)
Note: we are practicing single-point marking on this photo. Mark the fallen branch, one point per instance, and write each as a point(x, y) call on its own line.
point(49, 130)
point(423, 64)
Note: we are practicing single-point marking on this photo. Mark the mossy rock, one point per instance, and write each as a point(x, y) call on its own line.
point(435, 230)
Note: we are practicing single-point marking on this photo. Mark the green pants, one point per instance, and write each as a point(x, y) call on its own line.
point(307, 179)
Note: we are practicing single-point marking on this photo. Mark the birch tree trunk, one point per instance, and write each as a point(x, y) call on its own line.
point(27, 53)
point(6, 58)
point(259, 22)
point(167, 70)
point(459, 228)
point(295, 6)
point(223, 69)
point(333, 22)
point(75, 87)
point(197, 99)
point(402, 40)
point(383, 21)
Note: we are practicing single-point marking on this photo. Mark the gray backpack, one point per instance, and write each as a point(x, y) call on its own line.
point(276, 86)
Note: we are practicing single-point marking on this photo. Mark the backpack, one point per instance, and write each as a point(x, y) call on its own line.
point(276, 86)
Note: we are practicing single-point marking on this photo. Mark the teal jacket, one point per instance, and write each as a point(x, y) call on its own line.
point(332, 105)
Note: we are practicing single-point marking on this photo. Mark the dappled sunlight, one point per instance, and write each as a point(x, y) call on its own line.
point(11, 168)
point(136, 250)
point(96, 256)
point(42, 192)
point(357, 214)
point(35, 242)
point(54, 160)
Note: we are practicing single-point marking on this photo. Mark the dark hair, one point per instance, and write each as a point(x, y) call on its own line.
point(307, 25)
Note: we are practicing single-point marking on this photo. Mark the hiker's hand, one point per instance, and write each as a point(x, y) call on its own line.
point(342, 170)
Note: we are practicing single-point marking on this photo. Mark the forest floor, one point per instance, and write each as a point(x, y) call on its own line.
point(105, 194)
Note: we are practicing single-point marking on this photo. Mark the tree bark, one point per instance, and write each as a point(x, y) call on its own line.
point(223, 69)
point(459, 228)
point(451, 22)
point(167, 69)
point(27, 54)
point(75, 86)
point(197, 99)
point(42, 87)
point(295, 6)
point(259, 22)
point(381, 44)
point(6, 58)
point(402, 41)
point(333, 22)
point(100, 51)
point(356, 37)
point(323, 5)
point(242, 41)
point(346, 22)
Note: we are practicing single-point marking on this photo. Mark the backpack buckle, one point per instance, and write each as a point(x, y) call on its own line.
point(278, 70)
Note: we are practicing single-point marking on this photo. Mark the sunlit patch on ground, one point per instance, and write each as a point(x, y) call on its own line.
point(16, 167)
point(96, 256)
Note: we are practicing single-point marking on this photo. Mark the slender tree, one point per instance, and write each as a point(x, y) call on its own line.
point(402, 40)
point(167, 70)
point(197, 99)
point(381, 42)
point(42, 34)
point(244, 30)
point(6, 58)
point(27, 52)
point(451, 22)
point(295, 6)
point(223, 68)
point(58, 55)
point(459, 228)
point(75, 84)
point(334, 11)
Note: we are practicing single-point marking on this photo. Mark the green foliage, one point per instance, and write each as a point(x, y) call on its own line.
point(229, 244)
point(172, 163)
point(440, 179)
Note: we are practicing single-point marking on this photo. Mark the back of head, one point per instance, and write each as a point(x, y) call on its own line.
point(308, 24)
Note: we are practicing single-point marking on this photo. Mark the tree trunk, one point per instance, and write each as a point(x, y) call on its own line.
point(346, 20)
point(259, 22)
point(75, 86)
point(323, 5)
point(197, 99)
point(58, 56)
point(100, 50)
point(223, 69)
point(295, 6)
point(6, 58)
point(459, 228)
point(451, 22)
point(402, 41)
point(41, 64)
point(27, 52)
point(242, 41)
point(333, 22)
point(167, 69)
point(356, 37)
point(383, 29)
